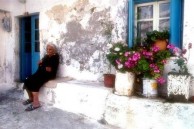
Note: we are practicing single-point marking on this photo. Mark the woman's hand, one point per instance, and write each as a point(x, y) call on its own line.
point(40, 63)
point(48, 69)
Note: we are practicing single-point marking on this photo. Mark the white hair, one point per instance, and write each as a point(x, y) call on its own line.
point(53, 46)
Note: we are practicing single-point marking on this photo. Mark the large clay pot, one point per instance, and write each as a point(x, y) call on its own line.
point(109, 80)
point(161, 44)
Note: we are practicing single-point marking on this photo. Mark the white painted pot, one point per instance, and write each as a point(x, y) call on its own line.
point(150, 87)
point(124, 83)
point(179, 84)
point(169, 66)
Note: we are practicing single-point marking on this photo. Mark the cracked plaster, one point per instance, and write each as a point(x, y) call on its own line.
point(79, 33)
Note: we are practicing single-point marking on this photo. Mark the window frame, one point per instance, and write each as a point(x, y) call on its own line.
point(176, 21)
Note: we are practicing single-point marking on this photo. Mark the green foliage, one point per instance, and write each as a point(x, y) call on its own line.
point(161, 55)
point(152, 36)
point(143, 65)
point(182, 63)
point(117, 52)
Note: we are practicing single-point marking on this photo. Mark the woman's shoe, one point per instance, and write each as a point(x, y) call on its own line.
point(28, 101)
point(31, 108)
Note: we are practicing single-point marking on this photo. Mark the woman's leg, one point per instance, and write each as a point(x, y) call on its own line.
point(36, 102)
point(30, 95)
point(30, 98)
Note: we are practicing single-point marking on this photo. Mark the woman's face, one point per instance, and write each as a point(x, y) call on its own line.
point(50, 50)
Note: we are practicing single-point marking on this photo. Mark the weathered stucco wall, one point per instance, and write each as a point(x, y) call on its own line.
point(188, 37)
point(81, 31)
point(6, 53)
point(189, 31)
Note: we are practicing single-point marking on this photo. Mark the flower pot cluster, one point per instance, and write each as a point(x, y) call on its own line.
point(145, 63)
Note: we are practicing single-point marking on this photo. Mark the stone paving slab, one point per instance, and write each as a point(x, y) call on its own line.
point(13, 116)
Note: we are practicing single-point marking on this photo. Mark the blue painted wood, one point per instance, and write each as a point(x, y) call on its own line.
point(35, 55)
point(28, 56)
point(131, 19)
point(25, 54)
point(176, 22)
point(143, 1)
point(131, 23)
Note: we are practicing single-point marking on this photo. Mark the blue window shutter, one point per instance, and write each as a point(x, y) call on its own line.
point(176, 22)
point(131, 23)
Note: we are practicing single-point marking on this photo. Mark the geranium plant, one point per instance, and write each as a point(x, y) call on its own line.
point(148, 62)
point(151, 64)
point(123, 58)
point(181, 60)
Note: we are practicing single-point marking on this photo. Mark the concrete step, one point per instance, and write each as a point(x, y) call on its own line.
point(94, 100)
point(82, 97)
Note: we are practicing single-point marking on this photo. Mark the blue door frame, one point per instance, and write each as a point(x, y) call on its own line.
point(29, 45)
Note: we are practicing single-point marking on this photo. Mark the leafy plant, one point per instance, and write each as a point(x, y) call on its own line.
point(151, 64)
point(148, 62)
point(152, 36)
point(126, 59)
point(181, 60)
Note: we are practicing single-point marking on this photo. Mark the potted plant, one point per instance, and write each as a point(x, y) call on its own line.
point(178, 84)
point(151, 66)
point(107, 27)
point(158, 38)
point(109, 80)
point(124, 60)
point(109, 77)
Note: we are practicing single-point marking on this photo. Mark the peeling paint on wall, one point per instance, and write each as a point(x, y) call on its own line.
point(80, 32)
point(57, 13)
point(76, 27)
point(6, 55)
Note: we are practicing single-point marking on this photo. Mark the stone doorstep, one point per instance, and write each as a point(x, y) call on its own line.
point(94, 100)
point(82, 97)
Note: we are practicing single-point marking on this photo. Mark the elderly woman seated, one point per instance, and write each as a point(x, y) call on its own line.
point(46, 71)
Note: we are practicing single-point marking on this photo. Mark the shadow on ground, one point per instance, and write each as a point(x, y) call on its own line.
point(13, 116)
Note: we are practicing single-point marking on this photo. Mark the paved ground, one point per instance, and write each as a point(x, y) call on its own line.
point(13, 116)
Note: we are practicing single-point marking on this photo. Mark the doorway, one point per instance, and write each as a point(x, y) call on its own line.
point(29, 45)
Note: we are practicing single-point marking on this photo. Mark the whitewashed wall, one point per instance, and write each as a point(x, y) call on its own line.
point(78, 30)
point(188, 37)
point(189, 32)
point(6, 52)
point(84, 16)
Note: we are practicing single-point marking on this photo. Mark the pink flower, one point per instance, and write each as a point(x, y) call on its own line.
point(118, 62)
point(155, 49)
point(126, 54)
point(170, 46)
point(190, 46)
point(164, 61)
point(184, 51)
point(176, 51)
point(136, 56)
point(147, 54)
point(156, 71)
point(161, 80)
